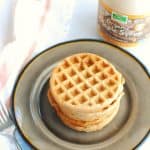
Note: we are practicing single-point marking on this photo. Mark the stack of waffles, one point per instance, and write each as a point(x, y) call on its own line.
point(85, 90)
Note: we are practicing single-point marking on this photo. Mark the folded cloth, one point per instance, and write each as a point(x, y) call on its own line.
point(37, 25)
point(7, 142)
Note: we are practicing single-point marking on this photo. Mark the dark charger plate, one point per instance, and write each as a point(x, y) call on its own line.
point(39, 124)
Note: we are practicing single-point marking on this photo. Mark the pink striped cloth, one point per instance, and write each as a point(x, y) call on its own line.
point(37, 25)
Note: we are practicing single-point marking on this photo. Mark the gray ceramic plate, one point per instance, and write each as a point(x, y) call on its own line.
point(39, 124)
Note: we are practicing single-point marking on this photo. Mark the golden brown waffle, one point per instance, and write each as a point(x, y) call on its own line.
point(81, 125)
point(85, 82)
point(91, 127)
point(91, 116)
point(85, 90)
point(94, 115)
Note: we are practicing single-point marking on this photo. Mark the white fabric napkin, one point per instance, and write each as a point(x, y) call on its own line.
point(37, 25)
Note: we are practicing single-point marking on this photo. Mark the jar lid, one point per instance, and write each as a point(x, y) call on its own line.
point(129, 7)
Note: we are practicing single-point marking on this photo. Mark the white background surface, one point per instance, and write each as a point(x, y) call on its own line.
point(82, 25)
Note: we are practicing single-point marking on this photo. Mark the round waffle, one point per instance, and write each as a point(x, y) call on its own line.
point(78, 115)
point(91, 127)
point(81, 125)
point(86, 89)
point(89, 116)
point(85, 82)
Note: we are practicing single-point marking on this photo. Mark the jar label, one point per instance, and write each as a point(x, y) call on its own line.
point(121, 27)
point(120, 18)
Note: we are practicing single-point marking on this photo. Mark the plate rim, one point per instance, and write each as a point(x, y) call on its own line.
point(50, 48)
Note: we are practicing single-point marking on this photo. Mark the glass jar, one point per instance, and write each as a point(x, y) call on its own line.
point(124, 23)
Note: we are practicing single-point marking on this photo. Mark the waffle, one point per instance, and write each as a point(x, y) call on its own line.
point(93, 116)
point(91, 127)
point(81, 125)
point(85, 88)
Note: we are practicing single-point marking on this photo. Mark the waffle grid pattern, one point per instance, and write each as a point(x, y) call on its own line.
point(85, 80)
